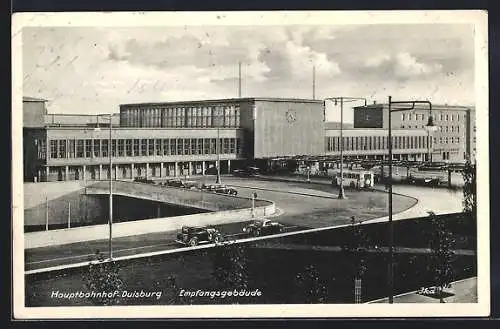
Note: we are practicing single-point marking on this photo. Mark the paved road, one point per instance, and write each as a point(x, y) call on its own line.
point(45, 257)
point(463, 291)
point(300, 206)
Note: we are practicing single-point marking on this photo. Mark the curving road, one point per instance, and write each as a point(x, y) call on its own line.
point(300, 206)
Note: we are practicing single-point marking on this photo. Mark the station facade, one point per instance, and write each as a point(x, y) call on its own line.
point(180, 139)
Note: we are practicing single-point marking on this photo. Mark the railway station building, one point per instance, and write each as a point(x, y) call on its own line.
point(179, 139)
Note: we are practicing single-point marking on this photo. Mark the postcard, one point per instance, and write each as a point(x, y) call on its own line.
point(288, 164)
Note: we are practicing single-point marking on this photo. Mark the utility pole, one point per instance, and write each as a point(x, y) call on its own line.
point(69, 214)
point(314, 82)
point(239, 79)
point(341, 187)
point(46, 213)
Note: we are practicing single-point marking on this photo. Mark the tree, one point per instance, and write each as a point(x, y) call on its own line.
point(102, 280)
point(469, 189)
point(311, 286)
point(230, 266)
point(441, 243)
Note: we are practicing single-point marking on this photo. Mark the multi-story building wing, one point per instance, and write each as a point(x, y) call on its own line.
point(452, 142)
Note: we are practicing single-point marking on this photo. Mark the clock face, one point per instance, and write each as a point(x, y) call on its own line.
point(291, 116)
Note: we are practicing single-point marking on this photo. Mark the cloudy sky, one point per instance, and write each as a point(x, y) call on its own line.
point(93, 70)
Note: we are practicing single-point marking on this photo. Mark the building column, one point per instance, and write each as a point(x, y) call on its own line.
point(228, 166)
point(161, 169)
point(132, 176)
point(47, 171)
point(147, 169)
point(203, 168)
point(84, 172)
point(116, 172)
point(190, 168)
point(176, 169)
point(66, 173)
point(100, 172)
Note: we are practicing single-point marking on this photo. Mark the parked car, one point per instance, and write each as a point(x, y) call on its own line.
point(263, 227)
point(175, 182)
point(226, 190)
point(143, 180)
point(192, 236)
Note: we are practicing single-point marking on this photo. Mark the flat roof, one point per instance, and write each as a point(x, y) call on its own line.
point(33, 99)
point(420, 106)
point(228, 100)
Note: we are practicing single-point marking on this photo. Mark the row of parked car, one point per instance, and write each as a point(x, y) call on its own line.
point(193, 185)
point(192, 235)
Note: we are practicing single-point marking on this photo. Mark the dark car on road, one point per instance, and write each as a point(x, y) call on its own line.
point(192, 236)
point(263, 227)
point(175, 183)
point(143, 180)
point(226, 190)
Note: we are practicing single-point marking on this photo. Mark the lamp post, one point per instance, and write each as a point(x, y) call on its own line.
point(342, 100)
point(110, 220)
point(429, 127)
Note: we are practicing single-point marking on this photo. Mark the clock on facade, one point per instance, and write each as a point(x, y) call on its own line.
point(291, 116)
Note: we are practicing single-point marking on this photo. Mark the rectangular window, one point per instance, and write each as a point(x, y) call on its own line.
point(71, 148)
point(187, 146)
point(458, 140)
point(239, 146)
point(232, 146)
point(104, 148)
point(194, 144)
point(206, 148)
point(158, 147)
point(53, 149)
point(144, 147)
point(128, 147)
point(166, 147)
point(403, 117)
point(180, 146)
point(151, 147)
point(80, 148)
point(97, 148)
point(121, 147)
point(200, 146)
point(458, 129)
point(173, 146)
point(441, 117)
point(213, 146)
point(88, 148)
point(226, 145)
point(62, 148)
point(447, 117)
point(113, 147)
point(136, 147)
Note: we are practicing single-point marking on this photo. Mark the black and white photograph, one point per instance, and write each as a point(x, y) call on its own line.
point(250, 164)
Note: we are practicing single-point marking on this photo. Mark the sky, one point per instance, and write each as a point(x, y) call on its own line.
point(94, 69)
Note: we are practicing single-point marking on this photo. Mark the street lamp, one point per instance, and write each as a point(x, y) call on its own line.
point(342, 100)
point(110, 221)
point(429, 127)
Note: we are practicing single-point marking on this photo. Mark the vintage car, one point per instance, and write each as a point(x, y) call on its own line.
point(192, 236)
point(263, 227)
point(175, 182)
point(226, 190)
point(143, 180)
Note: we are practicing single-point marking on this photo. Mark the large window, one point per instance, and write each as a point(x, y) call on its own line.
point(151, 147)
point(206, 146)
point(193, 146)
point(128, 147)
point(226, 146)
point(180, 146)
point(166, 147)
point(239, 146)
point(80, 148)
point(213, 146)
point(158, 147)
point(173, 146)
point(53, 149)
point(62, 148)
point(136, 147)
point(71, 148)
point(200, 146)
point(96, 148)
point(121, 147)
point(144, 147)
point(113, 147)
point(88, 148)
point(187, 146)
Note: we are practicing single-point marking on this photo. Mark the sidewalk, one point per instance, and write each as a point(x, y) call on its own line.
point(463, 291)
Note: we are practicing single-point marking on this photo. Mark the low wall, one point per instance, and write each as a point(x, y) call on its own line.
point(101, 232)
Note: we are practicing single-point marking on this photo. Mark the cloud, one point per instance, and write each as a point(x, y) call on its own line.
point(407, 66)
point(376, 61)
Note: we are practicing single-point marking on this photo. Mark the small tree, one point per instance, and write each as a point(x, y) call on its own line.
point(311, 287)
point(230, 266)
point(441, 243)
point(469, 189)
point(101, 277)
